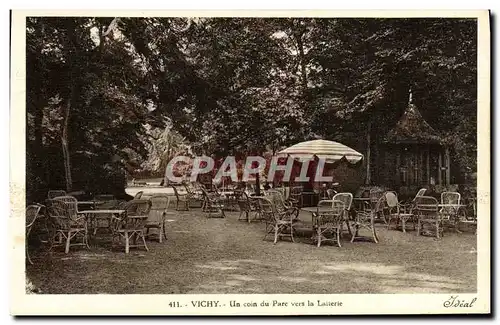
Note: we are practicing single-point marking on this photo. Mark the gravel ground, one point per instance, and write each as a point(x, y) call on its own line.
point(205, 255)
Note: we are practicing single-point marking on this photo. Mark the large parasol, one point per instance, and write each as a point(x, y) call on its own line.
point(330, 151)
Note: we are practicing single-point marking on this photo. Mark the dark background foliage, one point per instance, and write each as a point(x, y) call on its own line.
point(232, 85)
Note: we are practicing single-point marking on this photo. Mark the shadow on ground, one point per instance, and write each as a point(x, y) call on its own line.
point(205, 255)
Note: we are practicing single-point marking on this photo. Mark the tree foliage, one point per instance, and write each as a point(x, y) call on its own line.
point(234, 86)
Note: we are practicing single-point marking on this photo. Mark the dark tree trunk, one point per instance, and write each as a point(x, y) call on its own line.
point(65, 145)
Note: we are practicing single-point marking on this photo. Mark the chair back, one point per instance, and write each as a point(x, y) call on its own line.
point(450, 198)
point(244, 202)
point(31, 216)
point(426, 206)
point(344, 197)
point(330, 193)
point(333, 217)
point(68, 204)
point(65, 211)
point(138, 207)
point(138, 195)
point(159, 208)
point(421, 192)
point(391, 198)
point(296, 192)
point(55, 193)
point(266, 208)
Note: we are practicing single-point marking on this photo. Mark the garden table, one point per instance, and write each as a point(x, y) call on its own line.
point(91, 203)
point(229, 197)
point(452, 210)
point(91, 216)
point(360, 202)
point(315, 211)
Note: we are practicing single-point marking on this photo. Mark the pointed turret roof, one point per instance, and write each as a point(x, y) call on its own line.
point(413, 128)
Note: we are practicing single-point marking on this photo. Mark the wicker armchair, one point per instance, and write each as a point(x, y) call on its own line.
point(366, 220)
point(246, 207)
point(32, 212)
point(470, 216)
point(182, 197)
point(375, 195)
point(138, 195)
point(213, 204)
point(69, 224)
point(195, 194)
point(131, 224)
point(398, 212)
point(427, 210)
point(282, 205)
point(328, 223)
point(157, 215)
point(296, 195)
point(279, 223)
point(450, 213)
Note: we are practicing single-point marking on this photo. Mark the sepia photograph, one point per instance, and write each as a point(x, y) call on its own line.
point(251, 163)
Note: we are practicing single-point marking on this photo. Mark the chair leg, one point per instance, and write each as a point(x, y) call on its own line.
point(403, 224)
point(374, 233)
point(419, 227)
point(318, 231)
point(348, 227)
point(355, 233)
point(339, 233)
point(67, 242)
point(127, 246)
point(164, 231)
point(160, 233)
point(276, 230)
point(291, 234)
point(144, 240)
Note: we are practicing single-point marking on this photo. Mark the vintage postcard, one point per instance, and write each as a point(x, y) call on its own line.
point(250, 162)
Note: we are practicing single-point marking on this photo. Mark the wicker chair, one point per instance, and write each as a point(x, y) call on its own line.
point(130, 226)
point(68, 222)
point(450, 213)
point(347, 199)
point(398, 212)
point(282, 205)
point(32, 212)
point(279, 223)
point(182, 197)
point(157, 215)
point(195, 194)
point(246, 207)
point(138, 195)
point(366, 219)
point(375, 195)
point(296, 195)
point(427, 211)
point(213, 204)
point(328, 224)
